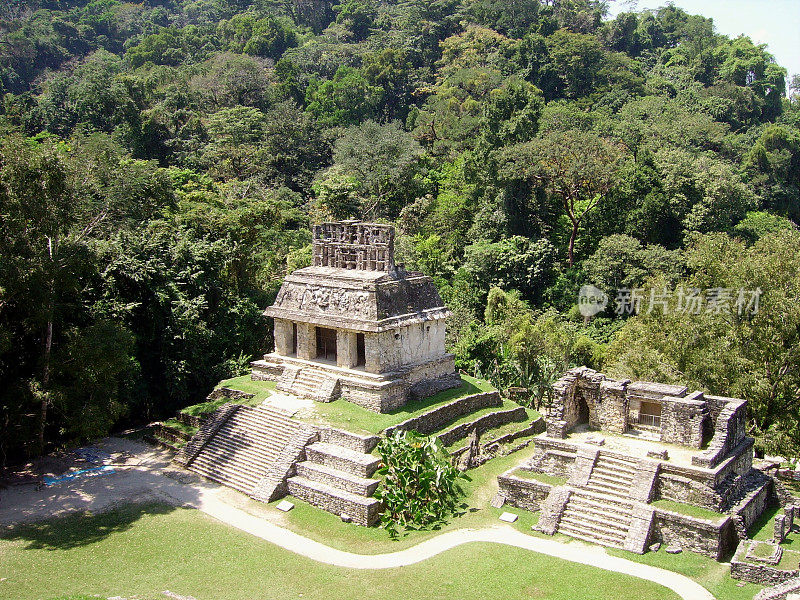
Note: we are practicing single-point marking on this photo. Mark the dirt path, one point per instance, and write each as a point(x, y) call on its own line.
point(149, 477)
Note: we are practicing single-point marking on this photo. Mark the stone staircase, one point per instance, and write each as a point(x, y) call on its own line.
point(337, 476)
point(612, 476)
point(607, 502)
point(596, 519)
point(242, 452)
point(309, 383)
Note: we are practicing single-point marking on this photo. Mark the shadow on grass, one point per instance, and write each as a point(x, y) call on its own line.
point(81, 529)
point(762, 528)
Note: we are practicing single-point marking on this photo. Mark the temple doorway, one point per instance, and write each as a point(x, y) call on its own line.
point(361, 354)
point(326, 343)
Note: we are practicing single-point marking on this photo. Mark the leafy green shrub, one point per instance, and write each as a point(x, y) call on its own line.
point(421, 487)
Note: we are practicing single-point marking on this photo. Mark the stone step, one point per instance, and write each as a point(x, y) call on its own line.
point(603, 503)
point(259, 422)
point(219, 459)
point(600, 514)
point(360, 486)
point(224, 453)
point(602, 488)
point(266, 427)
point(624, 486)
point(590, 536)
point(614, 462)
point(310, 377)
point(243, 482)
point(239, 436)
point(244, 488)
point(344, 459)
point(621, 476)
point(209, 464)
point(245, 448)
point(595, 516)
point(363, 511)
point(350, 440)
point(602, 529)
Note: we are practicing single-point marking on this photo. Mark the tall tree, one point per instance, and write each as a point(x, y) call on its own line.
point(578, 167)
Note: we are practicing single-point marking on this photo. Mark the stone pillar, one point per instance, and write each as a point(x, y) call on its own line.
point(346, 350)
point(306, 341)
point(779, 533)
point(283, 337)
point(372, 353)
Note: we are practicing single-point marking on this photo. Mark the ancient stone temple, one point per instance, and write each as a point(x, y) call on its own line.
point(356, 325)
point(624, 463)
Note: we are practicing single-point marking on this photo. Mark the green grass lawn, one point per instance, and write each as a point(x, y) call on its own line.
point(259, 389)
point(712, 575)
point(143, 550)
point(175, 424)
point(688, 509)
point(342, 413)
point(507, 405)
point(543, 477)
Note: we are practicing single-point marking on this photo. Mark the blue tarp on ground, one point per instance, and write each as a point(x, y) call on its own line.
point(93, 472)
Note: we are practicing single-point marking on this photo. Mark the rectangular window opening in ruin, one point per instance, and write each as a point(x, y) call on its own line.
point(326, 344)
point(650, 414)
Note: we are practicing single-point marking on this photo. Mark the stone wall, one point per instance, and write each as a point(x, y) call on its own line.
point(482, 424)
point(492, 446)
point(284, 337)
point(780, 591)
point(583, 395)
point(261, 370)
point(414, 344)
point(354, 245)
point(441, 416)
point(432, 377)
point(690, 533)
point(191, 420)
point(683, 421)
point(756, 498)
point(730, 429)
point(378, 398)
point(273, 486)
point(553, 458)
point(208, 430)
point(714, 489)
point(759, 573)
point(528, 494)
point(611, 413)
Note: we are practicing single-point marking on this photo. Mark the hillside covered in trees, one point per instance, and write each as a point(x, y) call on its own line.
point(161, 162)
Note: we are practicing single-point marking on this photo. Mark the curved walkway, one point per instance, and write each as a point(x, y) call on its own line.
point(289, 540)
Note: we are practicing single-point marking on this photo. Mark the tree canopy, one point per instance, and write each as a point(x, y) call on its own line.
point(161, 163)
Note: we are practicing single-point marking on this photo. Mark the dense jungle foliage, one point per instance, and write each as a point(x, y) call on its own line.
point(161, 162)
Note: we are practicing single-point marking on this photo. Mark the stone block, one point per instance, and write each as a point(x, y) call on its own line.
point(779, 529)
point(508, 517)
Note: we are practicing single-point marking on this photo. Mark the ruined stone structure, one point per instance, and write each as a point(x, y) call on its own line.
point(667, 413)
point(356, 325)
point(615, 447)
